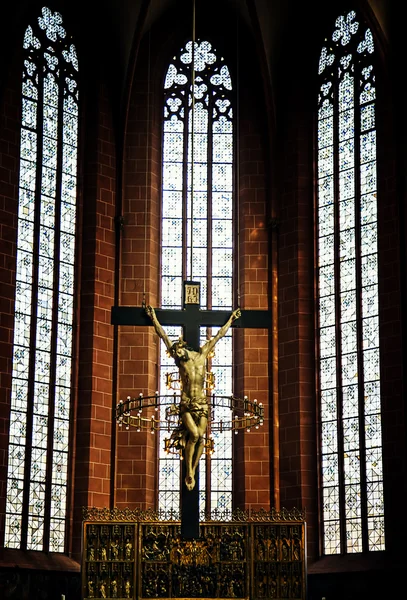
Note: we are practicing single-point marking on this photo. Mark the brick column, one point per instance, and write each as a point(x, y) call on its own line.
point(296, 327)
point(252, 360)
point(138, 346)
point(95, 358)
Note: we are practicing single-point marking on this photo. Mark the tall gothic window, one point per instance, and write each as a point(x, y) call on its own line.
point(349, 365)
point(43, 330)
point(197, 189)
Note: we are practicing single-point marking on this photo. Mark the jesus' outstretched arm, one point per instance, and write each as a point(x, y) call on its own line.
point(157, 326)
point(210, 344)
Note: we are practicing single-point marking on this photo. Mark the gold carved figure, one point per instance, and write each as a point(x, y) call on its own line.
point(285, 549)
point(273, 549)
point(284, 586)
point(102, 590)
point(114, 549)
point(91, 553)
point(127, 549)
point(273, 591)
point(193, 406)
point(296, 548)
point(296, 587)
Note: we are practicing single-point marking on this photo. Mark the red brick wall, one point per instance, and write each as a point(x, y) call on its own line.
point(252, 355)
point(298, 481)
point(138, 346)
point(95, 360)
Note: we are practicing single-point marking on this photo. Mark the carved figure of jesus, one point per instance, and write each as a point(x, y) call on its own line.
point(194, 404)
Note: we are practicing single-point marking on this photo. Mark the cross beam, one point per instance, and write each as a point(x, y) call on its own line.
point(191, 318)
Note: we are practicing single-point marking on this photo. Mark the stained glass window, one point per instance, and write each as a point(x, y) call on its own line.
point(349, 373)
point(43, 330)
point(197, 190)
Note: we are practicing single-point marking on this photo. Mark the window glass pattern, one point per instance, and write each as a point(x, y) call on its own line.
point(349, 374)
point(44, 303)
point(197, 190)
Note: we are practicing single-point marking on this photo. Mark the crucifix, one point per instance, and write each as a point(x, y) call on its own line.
point(193, 407)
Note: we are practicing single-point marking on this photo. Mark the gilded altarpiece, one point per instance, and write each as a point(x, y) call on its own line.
point(133, 554)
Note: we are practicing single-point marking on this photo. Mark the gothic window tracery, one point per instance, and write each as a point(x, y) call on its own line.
point(44, 302)
point(348, 293)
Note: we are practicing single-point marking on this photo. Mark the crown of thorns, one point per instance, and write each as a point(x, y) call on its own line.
point(179, 344)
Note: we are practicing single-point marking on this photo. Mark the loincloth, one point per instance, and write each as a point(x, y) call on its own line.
point(195, 407)
point(198, 410)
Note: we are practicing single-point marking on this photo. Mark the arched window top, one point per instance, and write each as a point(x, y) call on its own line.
point(349, 37)
point(207, 66)
point(211, 80)
point(49, 29)
point(353, 43)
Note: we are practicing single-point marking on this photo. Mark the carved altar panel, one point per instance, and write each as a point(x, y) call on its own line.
point(278, 551)
point(214, 566)
point(108, 565)
point(140, 557)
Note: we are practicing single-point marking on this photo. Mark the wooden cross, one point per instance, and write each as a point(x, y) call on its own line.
point(191, 318)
